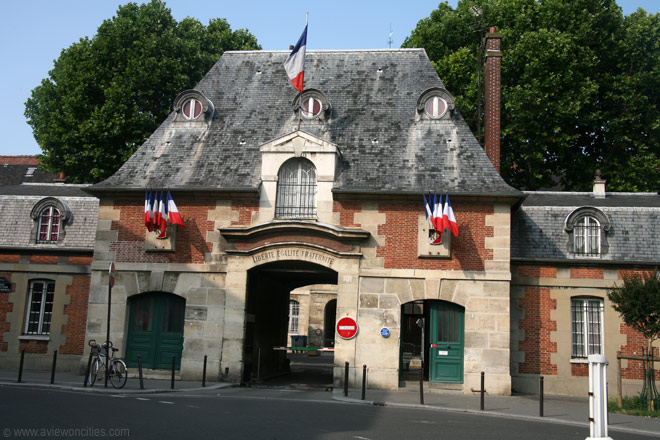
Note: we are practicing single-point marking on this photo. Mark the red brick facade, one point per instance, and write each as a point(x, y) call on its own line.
point(5, 307)
point(538, 328)
point(191, 244)
point(536, 304)
point(76, 313)
point(400, 249)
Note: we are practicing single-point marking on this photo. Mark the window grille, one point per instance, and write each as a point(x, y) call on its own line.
point(40, 307)
point(587, 237)
point(296, 190)
point(586, 327)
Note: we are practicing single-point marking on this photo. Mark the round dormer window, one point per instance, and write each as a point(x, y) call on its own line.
point(191, 109)
point(435, 107)
point(311, 107)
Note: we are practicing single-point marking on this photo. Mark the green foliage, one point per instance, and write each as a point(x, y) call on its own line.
point(638, 303)
point(632, 406)
point(106, 94)
point(580, 87)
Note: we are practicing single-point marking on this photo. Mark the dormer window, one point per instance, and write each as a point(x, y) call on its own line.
point(191, 109)
point(435, 103)
point(435, 107)
point(311, 107)
point(587, 232)
point(49, 225)
point(192, 105)
point(50, 216)
point(313, 104)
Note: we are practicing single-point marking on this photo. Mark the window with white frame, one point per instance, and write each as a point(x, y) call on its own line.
point(39, 307)
point(49, 225)
point(586, 327)
point(587, 236)
point(294, 311)
point(296, 190)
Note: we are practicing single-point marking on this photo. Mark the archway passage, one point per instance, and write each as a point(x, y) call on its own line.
point(155, 330)
point(267, 321)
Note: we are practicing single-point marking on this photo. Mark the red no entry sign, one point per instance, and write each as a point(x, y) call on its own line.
point(347, 327)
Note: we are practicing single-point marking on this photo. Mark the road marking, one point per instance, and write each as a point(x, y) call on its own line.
point(142, 398)
point(165, 401)
point(362, 438)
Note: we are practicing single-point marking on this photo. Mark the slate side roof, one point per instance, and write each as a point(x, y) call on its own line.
point(373, 94)
point(537, 227)
point(16, 228)
point(14, 171)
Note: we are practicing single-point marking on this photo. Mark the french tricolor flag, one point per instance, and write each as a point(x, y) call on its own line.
point(448, 218)
point(173, 212)
point(295, 62)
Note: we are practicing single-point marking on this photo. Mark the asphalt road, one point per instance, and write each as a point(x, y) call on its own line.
point(239, 413)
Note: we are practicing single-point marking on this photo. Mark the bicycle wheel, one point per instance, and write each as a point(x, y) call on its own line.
point(118, 373)
point(94, 371)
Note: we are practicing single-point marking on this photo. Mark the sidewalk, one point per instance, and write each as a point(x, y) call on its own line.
point(74, 382)
point(562, 410)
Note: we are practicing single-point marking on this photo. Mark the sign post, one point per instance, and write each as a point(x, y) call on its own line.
point(111, 282)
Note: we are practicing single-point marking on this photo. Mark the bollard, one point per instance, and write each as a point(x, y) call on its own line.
point(364, 380)
point(173, 368)
point(140, 372)
point(482, 389)
point(52, 370)
point(598, 397)
point(89, 367)
point(541, 396)
point(346, 379)
point(204, 373)
point(421, 384)
point(20, 366)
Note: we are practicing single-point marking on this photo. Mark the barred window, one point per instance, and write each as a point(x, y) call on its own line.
point(587, 236)
point(294, 311)
point(40, 307)
point(49, 225)
point(296, 190)
point(586, 326)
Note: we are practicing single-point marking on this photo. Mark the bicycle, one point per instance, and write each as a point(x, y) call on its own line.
point(117, 371)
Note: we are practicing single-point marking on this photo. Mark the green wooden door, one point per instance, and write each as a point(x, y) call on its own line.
point(446, 342)
point(155, 330)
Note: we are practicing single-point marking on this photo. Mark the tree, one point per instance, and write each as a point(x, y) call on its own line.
point(638, 303)
point(106, 94)
point(580, 87)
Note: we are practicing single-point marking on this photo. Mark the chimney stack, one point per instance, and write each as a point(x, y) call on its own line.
point(493, 95)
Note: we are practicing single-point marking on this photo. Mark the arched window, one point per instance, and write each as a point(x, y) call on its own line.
point(49, 225)
point(296, 190)
point(587, 229)
point(294, 312)
point(587, 236)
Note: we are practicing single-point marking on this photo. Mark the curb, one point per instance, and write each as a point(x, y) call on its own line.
point(94, 390)
point(419, 406)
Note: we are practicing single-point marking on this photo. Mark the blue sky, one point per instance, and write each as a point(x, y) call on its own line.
point(35, 32)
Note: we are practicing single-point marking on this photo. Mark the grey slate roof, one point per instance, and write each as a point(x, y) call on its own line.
point(17, 174)
point(373, 94)
point(16, 228)
point(537, 226)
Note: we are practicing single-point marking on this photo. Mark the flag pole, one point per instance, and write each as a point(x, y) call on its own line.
point(300, 103)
